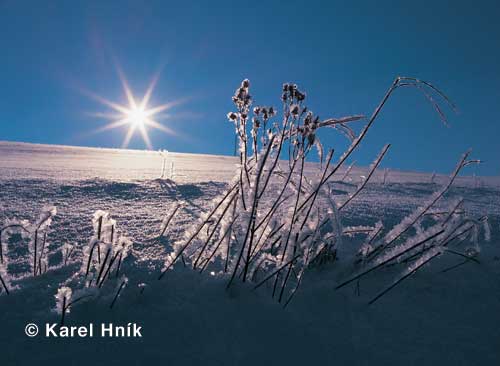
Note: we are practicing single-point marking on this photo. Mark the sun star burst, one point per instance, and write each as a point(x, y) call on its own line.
point(138, 115)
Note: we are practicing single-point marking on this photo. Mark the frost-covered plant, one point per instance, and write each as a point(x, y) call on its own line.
point(63, 300)
point(104, 226)
point(105, 252)
point(165, 166)
point(348, 171)
point(9, 227)
point(38, 241)
point(102, 262)
point(386, 174)
point(164, 156)
point(171, 170)
point(35, 233)
point(113, 257)
point(121, 285)
point(413, 244)
point(433, 177)
point(168, 219)
point(67, 250)
point(66, 298)
point(104, 236)
point(4, 280)
point(269, 224)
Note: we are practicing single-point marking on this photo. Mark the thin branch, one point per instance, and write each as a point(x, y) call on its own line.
point(275, 272)
point(395, 283)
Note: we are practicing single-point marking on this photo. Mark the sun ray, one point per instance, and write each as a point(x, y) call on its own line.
point(115, 106)
point(159, 126)
point(110, 126)
point(164, 107)
point(144, 133)
point(126, 88)
point(128, 137)
point(115, 116)
point(178, 116)
point(149, 92)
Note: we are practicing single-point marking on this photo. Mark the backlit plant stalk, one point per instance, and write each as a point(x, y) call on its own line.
point(282, 227)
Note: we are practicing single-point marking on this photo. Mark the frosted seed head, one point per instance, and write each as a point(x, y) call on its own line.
point(231, 116)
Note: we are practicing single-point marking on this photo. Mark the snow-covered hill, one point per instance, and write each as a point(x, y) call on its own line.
point(433, 318)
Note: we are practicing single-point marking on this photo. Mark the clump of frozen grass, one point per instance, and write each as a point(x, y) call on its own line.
point(36, 234)
point(102, 262)
point(38, 240)
point(269, 226)
point(413, 244)
point(104, 226)
point(10, 227)
point(105, 252)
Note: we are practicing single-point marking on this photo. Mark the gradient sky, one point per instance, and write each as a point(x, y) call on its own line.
point(343, 54)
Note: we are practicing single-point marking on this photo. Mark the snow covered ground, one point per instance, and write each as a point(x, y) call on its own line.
point(433, 318)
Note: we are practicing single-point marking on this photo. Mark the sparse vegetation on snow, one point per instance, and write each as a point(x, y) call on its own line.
point(294, 221)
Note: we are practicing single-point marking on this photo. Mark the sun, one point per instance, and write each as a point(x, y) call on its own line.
point(137, 114)
point(137, 117)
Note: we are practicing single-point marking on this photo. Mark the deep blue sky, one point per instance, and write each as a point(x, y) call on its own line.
point(343, 54)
